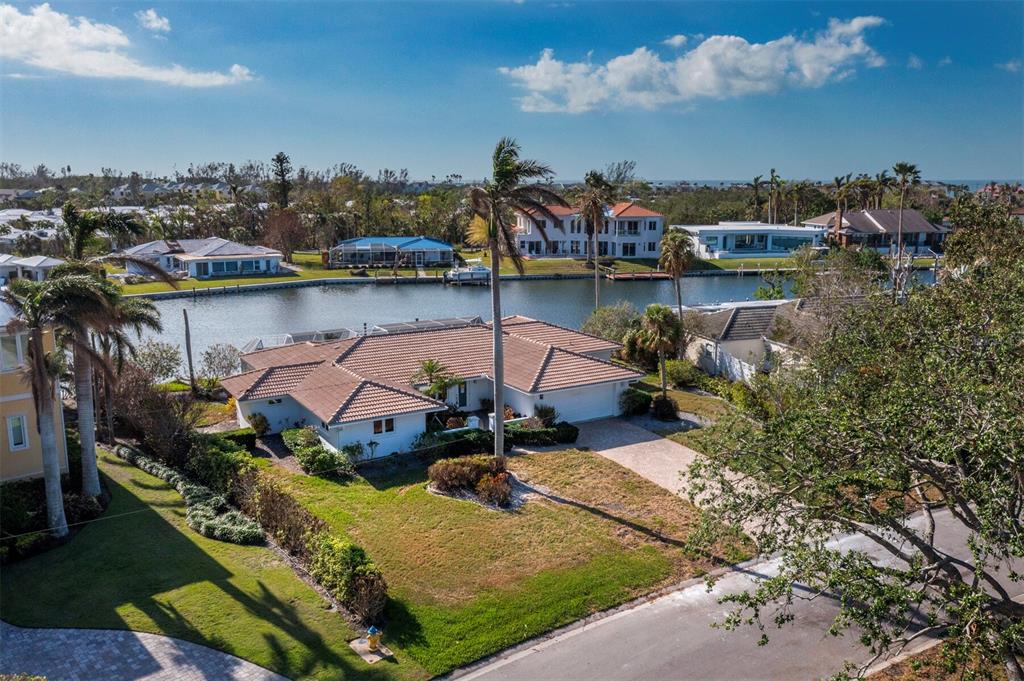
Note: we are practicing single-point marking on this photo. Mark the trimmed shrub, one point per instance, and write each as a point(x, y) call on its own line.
point(561, 433)
point(259, 423)
point(315, 458)
point(433, 446)
point(495, 489)
point(245, 437)
point(287, 521)
point(547, 414)
point(664, 408)
point(207, 512)
point(683, 373)
point(347, 573)
point(218, 461)
point(464, 472)
point(634, 402)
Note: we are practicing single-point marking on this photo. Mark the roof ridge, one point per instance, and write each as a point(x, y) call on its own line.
point(399, 389)
point(347, 401)
point(564, 328)
point(728, 324)
point(543, 367)
point(259, 381)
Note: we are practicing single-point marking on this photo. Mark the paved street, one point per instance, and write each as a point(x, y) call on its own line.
point(88, 654)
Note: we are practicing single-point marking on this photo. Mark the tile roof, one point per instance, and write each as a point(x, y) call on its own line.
point(885, 221)
point(211, 247)
point(628, 209)
point(370, 376)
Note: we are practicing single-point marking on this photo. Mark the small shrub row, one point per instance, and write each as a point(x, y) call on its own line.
point(344, 569)
point(245, 437)
point(483, 475)
point(315, 458)
point(633, 402)
point(433, 446)
point(217, 461)
point(207, 512)
point(530, 433)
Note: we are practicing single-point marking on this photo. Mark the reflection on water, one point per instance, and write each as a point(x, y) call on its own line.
point(236, 318)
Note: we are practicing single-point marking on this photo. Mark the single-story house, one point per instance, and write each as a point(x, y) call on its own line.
point(749, 239)
point(205, 258)
point(386, 250)
point(361, 389)
point(740, 340)
point(34, 268)
point(878, 229)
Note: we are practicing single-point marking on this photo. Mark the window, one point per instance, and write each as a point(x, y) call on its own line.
point(248, 265)
point(628, 250)
point(12, 352)
point(218, 268)
point(383, 426)
point(652, 246)
point(652, 225)
point(389, 425)
point(574, 247)
point(463, 395)
point(17, 433)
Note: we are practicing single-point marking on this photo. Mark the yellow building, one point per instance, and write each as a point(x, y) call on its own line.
point(21, 454)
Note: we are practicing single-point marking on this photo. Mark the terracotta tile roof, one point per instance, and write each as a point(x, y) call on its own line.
point(628, 209)
point(558, 211)
point(552, 334)
point(370, 376)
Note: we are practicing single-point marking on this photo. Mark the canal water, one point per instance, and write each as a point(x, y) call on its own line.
point(238, 317)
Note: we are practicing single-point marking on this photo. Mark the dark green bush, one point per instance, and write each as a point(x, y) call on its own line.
point(317, 459)
point(561, 433)
point(682, 373)
point(433, 446)
point(664, 408)
point(347, 573)
point(217, 461)
point(634, 402)
point(547, 414)
point(246, 437)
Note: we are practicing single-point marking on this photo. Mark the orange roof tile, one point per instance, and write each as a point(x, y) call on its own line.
point(552, 334)
point(628, 209)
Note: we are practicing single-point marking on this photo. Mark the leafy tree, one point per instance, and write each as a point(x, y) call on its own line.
point(620, 173)
point(158, 359)
point(612, 322)
point(40, 308)
point(436, 378)
point(904, 426)
point(492, 203)
point(659, 332)
point(676, 257)
point(282, 170)
point(772, 288)
point(907, 174)
point(219, 361)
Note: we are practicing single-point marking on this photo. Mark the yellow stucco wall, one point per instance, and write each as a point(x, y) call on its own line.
point(15, 400)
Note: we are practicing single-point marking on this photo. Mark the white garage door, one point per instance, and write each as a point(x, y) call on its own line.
point(585, 404)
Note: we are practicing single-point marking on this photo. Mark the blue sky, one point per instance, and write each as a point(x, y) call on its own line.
point(430, 87)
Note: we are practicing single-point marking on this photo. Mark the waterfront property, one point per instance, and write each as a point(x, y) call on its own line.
point(205, 258)
point(361, 389)
point(405, 251)
point(34, 268)
point(740, 340)
point(21, 452)
point(629, 231)
point(749, 239)
point(878, 229)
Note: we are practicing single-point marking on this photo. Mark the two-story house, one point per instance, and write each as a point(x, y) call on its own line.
point(629, 231)
point(21, 453)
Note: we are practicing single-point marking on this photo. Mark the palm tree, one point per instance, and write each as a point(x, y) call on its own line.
point(757, 184)
point(676, 257)
point(773, 201)
point(436, 377)
point(492, 203)
point(79, 231)
point(41, 308)
point(659, 332)
point(840, 187)
point(906, 174)
point(591, 205)
point(883, 183)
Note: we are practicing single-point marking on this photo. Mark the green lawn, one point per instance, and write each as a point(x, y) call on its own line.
point(148, 572)
point(745, 263)
point(711, 408)
point(562, 265)
point(466, 581)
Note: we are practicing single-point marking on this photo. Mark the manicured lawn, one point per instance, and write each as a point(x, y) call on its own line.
point(466, 581)
point(712, 408)
point(562, 265)
point(148, 572)
point(745, 263)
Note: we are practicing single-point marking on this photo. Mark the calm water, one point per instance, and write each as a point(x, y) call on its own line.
point(237, 318)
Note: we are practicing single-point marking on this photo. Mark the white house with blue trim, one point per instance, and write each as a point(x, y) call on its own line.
point(749, 239)
point(206, 258)
point(409, 251)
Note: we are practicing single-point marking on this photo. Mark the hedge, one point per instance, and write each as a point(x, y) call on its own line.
point(560, 433)
point(245, 437)
point(433, 446)
point(207, 512)
point(217, 461)
point(315, 458)
point(634, 402)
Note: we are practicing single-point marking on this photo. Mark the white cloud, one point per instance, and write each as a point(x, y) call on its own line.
point(676, 41)
point(720, 67)
point(946, 61)
point(77, 46)
point(150, 20)
point(914, 62)
point(1013, 66)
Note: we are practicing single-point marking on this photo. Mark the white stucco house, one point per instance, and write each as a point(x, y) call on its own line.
point(206, 258)
point(34, 268)
point(749, 239)
point(361, 389)
point(629, 231)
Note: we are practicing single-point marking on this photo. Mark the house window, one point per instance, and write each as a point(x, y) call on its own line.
point(652, 246)
point(574, 247)
point(383, 426)
point(628, 250)
point(218, 268)
point(389, 425)
point(11, 352)
point(17, 432)
point(652, 225)
point(248, 265)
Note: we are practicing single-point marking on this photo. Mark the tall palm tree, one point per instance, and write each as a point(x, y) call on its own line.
point(840, 188)
point(591, 205)
point(659, 332)
point(757, 184)
point(676, 257)
point(79, 231)
point(40, 308)
point(907, 174)
point(883, 183)
point(773, 201)
point(492, 203)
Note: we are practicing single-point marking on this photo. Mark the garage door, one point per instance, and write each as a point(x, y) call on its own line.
point(585, 404)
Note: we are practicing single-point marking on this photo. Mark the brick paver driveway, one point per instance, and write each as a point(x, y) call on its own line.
point(86, 654)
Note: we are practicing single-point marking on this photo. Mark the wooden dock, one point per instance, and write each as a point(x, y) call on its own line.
point(636, 276)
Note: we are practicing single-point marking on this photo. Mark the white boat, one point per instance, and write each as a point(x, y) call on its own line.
point(473, 272)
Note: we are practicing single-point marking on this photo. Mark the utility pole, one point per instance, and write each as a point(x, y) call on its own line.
point(188, 352)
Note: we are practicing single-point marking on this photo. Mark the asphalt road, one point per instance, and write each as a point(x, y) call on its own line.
point(671, 638)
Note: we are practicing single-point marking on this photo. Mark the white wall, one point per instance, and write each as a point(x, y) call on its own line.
point(407, 428)
point(586, 403)
point(280, 416)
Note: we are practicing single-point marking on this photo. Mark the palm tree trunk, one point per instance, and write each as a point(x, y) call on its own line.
point(679, 311)
point(664, 381)
point(43, 389)
point(597, 272)
point(108, 399)
point(898, 276)
point(86, 423)
point(498, 353)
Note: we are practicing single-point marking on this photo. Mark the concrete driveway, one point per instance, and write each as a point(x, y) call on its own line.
point(647, 454)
